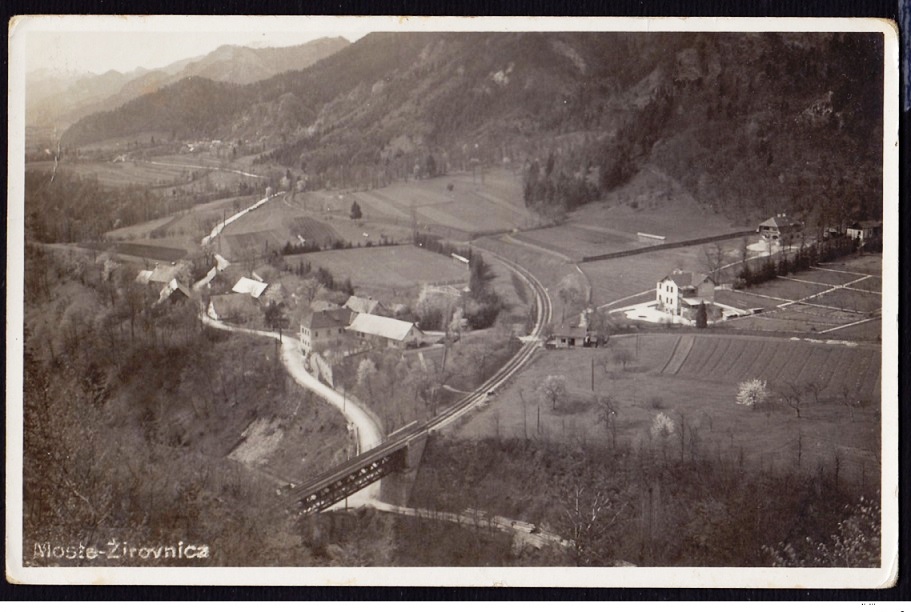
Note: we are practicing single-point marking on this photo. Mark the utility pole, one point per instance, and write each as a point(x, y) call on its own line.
point(593, 374)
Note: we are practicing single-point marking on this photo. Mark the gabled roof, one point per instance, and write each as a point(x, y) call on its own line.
point(326, 319)
point(143, 277)
point(172, 287)
point(249, 286)
point(686, 279)
point(865, 225)
point(384, 327)
point(565, 330)
point(363, 304)
point(164, 273)
point(317, 305)
point(779, 221)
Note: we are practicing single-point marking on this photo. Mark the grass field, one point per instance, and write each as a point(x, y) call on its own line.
point(702, 396)
point(470, 206)
point(147, 251)
point(397, 267)
point(121, 174)
point(652, 203)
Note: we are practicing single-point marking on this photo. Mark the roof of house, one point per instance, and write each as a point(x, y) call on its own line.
point(384, 327)
point(779, 221)
point(317, 305)
point(325, 319)
point(565, 330)
point(144, 276)
point(686, 279)
point(164, 273)
point(171, 287)
point(363, 304)
point(691, 301)
point(250, 286)
point(865, 224)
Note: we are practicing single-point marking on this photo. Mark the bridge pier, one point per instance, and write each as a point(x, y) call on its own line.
point(396, 487)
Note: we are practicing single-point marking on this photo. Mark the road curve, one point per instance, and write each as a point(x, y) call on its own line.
point(366, 429)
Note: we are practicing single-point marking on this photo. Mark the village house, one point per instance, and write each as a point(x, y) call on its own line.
point(864, 231)
point(391, 332)
point(779, 228)
point(367, 305)
point(161, 274)
point(253, 288)
point(680, 293)
point(174, 292)
point(324, 329)
point(567, 335)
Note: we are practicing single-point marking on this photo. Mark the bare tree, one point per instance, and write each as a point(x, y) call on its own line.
point(607, 414)
point(815, 387)
point(622, 357)
point(587, 517)
point(713, 256)
point(792, 394)
point(552, 389)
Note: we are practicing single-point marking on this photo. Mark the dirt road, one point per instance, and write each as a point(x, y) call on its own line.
point(367, 431)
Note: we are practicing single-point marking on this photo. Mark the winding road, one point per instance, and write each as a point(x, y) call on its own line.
point(366, 429)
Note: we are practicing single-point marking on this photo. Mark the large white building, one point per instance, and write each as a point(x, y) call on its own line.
point(680, 293)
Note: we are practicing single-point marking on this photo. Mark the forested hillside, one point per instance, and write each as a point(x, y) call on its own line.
point(757, 123)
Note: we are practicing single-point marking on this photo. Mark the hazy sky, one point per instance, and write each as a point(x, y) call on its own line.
point(146, 44)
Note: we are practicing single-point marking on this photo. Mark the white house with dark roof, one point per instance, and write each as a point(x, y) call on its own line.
point(395, 333)
point(863, 231)
point(779, 227)
point(324, 329)
point(680, 293)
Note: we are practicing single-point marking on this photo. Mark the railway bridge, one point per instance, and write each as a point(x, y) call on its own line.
point(401, 451)
point(403, 448)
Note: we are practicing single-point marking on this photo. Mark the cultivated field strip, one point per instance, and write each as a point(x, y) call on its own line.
point(734, 359)
point(681, 351)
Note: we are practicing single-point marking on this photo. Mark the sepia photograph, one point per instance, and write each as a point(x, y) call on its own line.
point(393, 301)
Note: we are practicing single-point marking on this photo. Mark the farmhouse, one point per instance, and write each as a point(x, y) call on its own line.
point(161, 274)
point(324, 329)
point(395, 333)
point(249, 286)
point(232, 308)
point(567, 335)
point(680, 293)
point(366, 305)
point(864, 231)
point(779, 227)
point(175, 291)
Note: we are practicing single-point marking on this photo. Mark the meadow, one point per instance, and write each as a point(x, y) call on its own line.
point(387, 268)
point(693, 379)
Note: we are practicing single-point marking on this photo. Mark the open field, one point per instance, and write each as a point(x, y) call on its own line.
point(470, 206)
point(702, 395)
point(865, 264)
point(193, 223)
point(655, 204)
point(849, 300)
point(395, 267)
point(147, 251)
point(121, 174)
point(272, 225)
point(744, 300)
point(795, 318)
